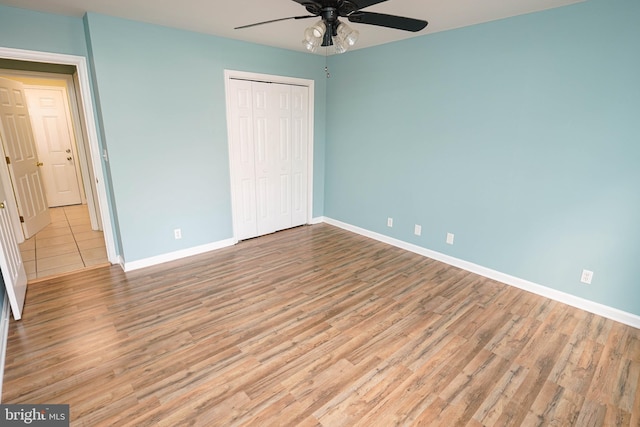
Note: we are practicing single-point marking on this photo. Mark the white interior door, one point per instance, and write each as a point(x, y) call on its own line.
point(55, 143)
point(269, 146)
point(22, 160)
point(13, 272)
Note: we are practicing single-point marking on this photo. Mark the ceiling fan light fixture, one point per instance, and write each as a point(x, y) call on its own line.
point(310, 45)
point(316, 31)
point(347, 34)
point(344, 38)
point(313, 36)
point(339, 45)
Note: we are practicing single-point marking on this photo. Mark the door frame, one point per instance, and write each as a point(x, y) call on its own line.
point(268, 78)
point(84, 99)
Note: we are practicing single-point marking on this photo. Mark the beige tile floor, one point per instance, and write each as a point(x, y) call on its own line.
point(67, 244)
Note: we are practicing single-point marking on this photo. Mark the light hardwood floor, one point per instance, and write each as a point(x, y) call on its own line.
point(315, 326)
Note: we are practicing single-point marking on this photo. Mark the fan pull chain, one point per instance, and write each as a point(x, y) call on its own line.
point(326, 66)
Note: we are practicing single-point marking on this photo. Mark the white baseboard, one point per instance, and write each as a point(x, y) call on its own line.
point(563, 297)
point(172, 256)
point(4, 334)
point(317, 220)
point(120, 261)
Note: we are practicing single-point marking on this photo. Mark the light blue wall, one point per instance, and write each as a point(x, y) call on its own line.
point(44, 32)
point(519, 136)
point(25, 29)
point(163, 110)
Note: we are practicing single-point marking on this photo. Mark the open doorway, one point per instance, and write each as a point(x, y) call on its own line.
point(72, 239)
point(81, 222)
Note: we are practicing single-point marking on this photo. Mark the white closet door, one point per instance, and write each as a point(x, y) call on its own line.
point(281, 167)
point(299, 154)
point(243, 173)
point(274, 132)
point(264, 139)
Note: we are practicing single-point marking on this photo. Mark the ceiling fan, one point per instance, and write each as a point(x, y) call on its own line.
point(329, 30)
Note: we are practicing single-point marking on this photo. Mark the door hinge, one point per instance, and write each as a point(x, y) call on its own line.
point(8, 160)
point(21, 218)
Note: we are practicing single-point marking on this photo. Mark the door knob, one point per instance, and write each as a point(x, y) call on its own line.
point(69, 158)
point(68, 150)
point(39, 164)
point(1, 205)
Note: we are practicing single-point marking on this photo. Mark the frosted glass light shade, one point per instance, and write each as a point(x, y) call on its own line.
point(348, 35)
point(339, 45)
point(313, 36)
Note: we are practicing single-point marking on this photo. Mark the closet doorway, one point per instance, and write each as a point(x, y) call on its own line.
point(270, 148)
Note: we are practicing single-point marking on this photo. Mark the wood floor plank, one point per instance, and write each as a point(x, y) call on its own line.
point(354, 402)
point(500, 395)
point(316, 326)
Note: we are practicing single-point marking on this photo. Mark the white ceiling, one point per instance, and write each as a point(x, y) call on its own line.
point(219, 17)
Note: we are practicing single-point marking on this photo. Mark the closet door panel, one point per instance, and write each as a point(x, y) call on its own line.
point(269, 146)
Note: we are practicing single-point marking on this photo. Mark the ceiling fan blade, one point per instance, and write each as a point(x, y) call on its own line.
point(306, 2)
point(347, 7)
point(389, 21)
point(274, 20)
point(312, 6)
point(361, 4)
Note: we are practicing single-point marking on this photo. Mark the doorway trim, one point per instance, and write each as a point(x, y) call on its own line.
point(85, 107)
point(269, 78)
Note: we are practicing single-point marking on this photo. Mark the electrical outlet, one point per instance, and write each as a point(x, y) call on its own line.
point(177, 233)
point(417, 230)
point(450, 238)
point(389, 222)
point(586, 277)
